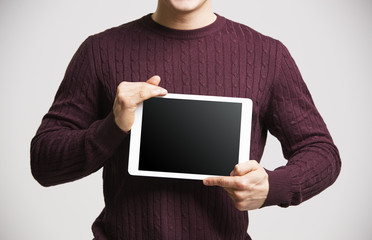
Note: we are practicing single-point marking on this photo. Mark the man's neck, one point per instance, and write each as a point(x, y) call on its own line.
point(184, 20)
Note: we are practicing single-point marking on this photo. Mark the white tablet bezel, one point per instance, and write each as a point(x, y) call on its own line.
point(135, 136)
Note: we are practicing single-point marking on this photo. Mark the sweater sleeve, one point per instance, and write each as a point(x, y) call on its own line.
point(75, 137)
point(313, 159)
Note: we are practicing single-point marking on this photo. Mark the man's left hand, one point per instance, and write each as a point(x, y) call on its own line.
point(247, 185)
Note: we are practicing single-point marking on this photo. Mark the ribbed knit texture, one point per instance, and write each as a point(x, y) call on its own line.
point(78, 135)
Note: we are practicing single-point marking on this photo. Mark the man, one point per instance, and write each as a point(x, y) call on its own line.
point(183, 47)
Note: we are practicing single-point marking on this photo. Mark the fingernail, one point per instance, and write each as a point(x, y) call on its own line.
point(205, 182)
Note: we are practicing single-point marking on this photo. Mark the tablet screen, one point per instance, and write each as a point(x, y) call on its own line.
point(190, 136)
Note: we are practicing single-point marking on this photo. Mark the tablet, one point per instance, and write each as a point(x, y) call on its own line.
point(189, 136)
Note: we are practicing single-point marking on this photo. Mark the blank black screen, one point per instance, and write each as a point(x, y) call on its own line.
point(190, 136)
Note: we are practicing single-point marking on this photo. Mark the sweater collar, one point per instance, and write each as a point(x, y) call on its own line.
point(153, 26)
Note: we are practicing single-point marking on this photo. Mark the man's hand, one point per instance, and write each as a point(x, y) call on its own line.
point(247, 185)
point(129, 95)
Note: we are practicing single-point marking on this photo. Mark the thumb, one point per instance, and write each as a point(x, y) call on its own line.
point(244, 168)
point(154, 80)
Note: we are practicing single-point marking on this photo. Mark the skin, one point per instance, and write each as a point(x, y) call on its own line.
point(248, 183)
point(184, 14)
point(129, 95)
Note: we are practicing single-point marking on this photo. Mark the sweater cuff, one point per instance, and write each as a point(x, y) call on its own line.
point(279, 188)
point(108, 132)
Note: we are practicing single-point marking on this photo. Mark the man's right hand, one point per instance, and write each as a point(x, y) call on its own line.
point(129, 95)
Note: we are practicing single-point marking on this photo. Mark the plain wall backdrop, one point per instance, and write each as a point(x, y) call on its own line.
point(329, 40)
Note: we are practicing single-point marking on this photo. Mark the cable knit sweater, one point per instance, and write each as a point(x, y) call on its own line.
point(78, 135)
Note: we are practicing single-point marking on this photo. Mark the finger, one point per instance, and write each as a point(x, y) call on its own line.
point(225, 182)
point(154, 80)
point(158, 92)
point(244, 168)
point(238, 195)
point(147, 91)
point(130, 94)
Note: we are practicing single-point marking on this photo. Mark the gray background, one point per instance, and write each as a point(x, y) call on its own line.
point(330, 41)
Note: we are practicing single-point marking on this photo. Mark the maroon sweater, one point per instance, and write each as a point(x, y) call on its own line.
point(78, 135)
